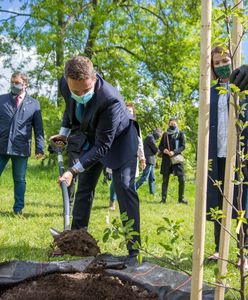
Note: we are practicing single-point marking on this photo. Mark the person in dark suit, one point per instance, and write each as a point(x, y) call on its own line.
point(171, 144)
point(19, 114)
point(218, 132)
point(150, 149)
point(111, 141)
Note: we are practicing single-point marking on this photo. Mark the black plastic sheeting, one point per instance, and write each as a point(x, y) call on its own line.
point(167, 284)
point(19, 270)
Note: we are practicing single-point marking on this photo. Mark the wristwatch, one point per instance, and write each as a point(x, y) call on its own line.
point(73, 172)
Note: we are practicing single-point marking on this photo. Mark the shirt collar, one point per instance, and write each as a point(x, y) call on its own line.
point(21, 96)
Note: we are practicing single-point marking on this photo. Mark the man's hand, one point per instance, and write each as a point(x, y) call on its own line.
point(142, 164)
point(39, 155)
point(239, 77)
point(166, 151)
point(66, 177)
point(58, 138)
point(172, 153)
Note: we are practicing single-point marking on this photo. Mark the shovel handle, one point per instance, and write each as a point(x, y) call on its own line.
point(66, 206)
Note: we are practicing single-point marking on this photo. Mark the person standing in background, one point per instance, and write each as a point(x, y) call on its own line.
point(150, 149)
point(19, 114)
point(172, 143)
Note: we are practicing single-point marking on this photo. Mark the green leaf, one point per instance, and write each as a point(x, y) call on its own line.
point(234, 88)
point(136, 245)
point(140, 258)
point(106, 236)
point(160, 229)
point(166, 247)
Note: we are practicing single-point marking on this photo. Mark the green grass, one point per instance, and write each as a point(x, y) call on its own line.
point(27, 237)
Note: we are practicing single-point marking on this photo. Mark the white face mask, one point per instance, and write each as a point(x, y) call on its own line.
point(83, 99)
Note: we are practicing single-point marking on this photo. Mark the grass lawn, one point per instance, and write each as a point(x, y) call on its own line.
point(27, 237)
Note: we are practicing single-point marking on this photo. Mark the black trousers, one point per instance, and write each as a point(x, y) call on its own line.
point(87, 181)
point(165, 184)
point(124, 181)
point(221, 163)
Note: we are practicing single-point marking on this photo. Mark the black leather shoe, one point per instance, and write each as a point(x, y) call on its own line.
point(131, 260)
point(183, 201)
point(162, 201)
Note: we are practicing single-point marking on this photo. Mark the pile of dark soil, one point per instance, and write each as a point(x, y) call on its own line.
point(77, 243)
point(76, 286)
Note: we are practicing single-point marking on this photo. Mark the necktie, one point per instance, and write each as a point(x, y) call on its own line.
point(18, 100)
point(79, 112)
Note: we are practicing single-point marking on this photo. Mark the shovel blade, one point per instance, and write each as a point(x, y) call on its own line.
point(54, 232)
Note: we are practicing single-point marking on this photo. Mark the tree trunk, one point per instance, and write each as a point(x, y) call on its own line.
point(202, 159)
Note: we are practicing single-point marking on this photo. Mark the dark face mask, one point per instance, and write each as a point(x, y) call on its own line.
point(223, 72)
point(172, 127)
point(16, 88)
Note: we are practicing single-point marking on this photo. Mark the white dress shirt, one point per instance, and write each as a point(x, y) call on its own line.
point(222, 130)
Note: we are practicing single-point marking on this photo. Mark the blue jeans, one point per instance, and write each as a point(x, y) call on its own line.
point(19, 167)
point(112, 192)
point(148, 174)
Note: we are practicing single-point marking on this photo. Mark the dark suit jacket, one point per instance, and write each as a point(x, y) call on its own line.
point(150, 149)
point(107, 125)
point(16, 126)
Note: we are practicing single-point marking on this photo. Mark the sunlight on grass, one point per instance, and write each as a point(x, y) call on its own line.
point(28, 237)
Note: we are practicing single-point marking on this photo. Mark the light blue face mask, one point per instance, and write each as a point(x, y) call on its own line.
point(83, 99)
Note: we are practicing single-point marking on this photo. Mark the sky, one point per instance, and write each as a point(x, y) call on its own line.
point(4, 80)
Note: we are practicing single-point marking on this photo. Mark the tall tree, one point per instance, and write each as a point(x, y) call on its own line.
point(148, 49)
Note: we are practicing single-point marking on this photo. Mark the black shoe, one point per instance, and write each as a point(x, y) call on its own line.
point(162, 201)
point(131, 259)
point(183, 201)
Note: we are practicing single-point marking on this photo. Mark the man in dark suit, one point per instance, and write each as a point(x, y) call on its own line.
point(19, 114)
point(150, 149)
point(111, 141)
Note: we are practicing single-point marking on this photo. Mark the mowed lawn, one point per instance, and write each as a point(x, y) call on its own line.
point(28, 237)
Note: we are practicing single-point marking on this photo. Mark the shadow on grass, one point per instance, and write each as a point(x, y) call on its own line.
point(50, 205)
point(96, 207)
point(27, 215)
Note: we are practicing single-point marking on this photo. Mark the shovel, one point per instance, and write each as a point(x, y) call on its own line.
point(59, 147)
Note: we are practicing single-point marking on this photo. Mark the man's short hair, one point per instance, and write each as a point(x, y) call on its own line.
point(78, 68)
point(22, 75)
point(172, 119)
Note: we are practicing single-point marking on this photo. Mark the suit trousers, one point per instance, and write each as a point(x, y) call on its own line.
point(87, 181)
point(221, 163)
point(124, 183)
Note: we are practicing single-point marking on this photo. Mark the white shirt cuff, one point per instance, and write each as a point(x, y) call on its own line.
point(78, 167)
point(65, 131)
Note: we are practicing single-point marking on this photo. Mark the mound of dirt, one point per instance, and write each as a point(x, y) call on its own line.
point(77, 243)
point(76, 286)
